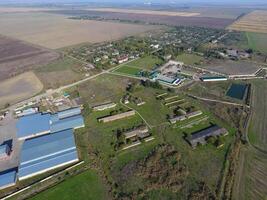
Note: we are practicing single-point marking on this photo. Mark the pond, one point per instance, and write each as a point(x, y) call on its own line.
point(237, 91)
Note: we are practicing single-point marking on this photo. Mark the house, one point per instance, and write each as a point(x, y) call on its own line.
point(47, 152)
point(201, 136)
point(122, 59)
point(104, 106)
point(116, 117)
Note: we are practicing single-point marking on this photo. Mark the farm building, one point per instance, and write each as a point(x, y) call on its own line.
point(33, 125)
point(186, 116)
point(116, 117)
point(8, 178)
point(201, 136)
point(168, 80)
point(140, 132)
point(47, 152)
point(213, 78)
point(104, 106)
point(40, 124)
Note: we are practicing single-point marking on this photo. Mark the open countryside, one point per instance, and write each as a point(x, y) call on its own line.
point(56, 31)
point(127, 100)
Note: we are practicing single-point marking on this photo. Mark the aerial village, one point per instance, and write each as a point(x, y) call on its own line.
point(40, 135)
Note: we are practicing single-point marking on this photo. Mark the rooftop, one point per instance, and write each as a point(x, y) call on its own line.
point(39, 124)
point(7, 178)
point(46, 152)
point(33, 124)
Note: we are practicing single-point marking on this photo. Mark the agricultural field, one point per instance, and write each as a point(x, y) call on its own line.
point(147, 12)
point(19, 88)
point(57, 31)
point(189, 59)
point(258, 127)
point(18, 56)
point(86, 185)
point(208, 22)
point(250, 180)
point(255, 21)
point(230, 67)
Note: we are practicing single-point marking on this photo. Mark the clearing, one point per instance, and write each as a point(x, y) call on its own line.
point(255, 21)
point(19, 88)
point(189, 59)
point(57, 31)
point(86, 185)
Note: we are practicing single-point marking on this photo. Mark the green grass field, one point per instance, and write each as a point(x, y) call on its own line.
point(258, 125)
point(146, 63)
point(189, 59)
point(132, 71)
point(86, 185)
point(257, 41)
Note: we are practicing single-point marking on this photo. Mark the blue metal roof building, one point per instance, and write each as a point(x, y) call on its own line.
point(8, 178)
point(33, 125)
point(67, 123)
point(39, 124)
point(47, 152)
point(69, 113)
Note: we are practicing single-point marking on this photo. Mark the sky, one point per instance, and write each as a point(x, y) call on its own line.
point(142, 1)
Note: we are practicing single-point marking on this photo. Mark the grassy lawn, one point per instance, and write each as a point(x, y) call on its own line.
point(86, 185)
point(257, 41)
point(128, 70)
point(189, 59)
point(146, 63)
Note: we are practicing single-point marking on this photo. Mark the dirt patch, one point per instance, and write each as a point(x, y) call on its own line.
point(17, 57)
point(255, 21)
point(57, 31)
point(19, 88)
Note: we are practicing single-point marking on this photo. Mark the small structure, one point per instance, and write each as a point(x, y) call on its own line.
point(116, 117)
point(201, 136)
point(28, 111)
point(104, 106)
point(8, 178)
point(213, 78)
